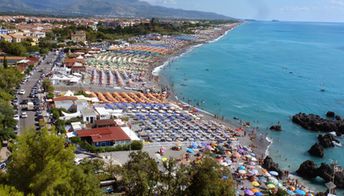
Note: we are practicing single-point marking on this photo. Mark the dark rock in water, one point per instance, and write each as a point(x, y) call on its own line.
point(316, 123)
point(270, 165)
point(317, 150)
point(330, 114)
point(276, 128)
point(327, 140)
point(338, 117)
point(308, 170)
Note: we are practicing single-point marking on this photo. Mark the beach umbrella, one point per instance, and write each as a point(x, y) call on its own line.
point(189, 150)
point(255, 183)
point(242, 171)
point(274, 173)
point(248, 192)
point(164, 159)
point(290, 192)
point(273, 180)
point(255, 172)
point(241, 167)
point(258, 194)
point(255, 190)
point(299, 192)
point(271, 186)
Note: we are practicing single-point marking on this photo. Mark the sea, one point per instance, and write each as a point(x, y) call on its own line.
point(265, 72)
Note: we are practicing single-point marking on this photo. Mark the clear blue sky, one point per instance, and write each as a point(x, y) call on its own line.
point(294, 10)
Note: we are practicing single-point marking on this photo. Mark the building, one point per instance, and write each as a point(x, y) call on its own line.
point(105, 123)
point(78, 36)
point(108, 136)
point(65, 102)
point(5, 38)
point(88, 115)
point(17, 38)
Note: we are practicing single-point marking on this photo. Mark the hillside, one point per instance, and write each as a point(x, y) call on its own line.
point(112, 8)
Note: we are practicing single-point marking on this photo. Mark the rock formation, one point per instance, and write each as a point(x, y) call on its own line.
point(276, 128)
point(309, 170)
point(270, 165)
point(316, 123)
point(317, 150)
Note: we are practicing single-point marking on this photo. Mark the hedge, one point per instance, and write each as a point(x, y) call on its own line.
point(134, 145)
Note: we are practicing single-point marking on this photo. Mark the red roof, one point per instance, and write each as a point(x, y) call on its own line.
point(65, 98)
point(104, 134)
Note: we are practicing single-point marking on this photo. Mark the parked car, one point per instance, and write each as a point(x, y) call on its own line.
point(16, 117)
point(21, 92)
point(24, 115)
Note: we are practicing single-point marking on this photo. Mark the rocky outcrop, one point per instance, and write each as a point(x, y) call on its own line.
point(330, 114)
point(309, 170)
point(270, 165)
point(316, 123)
point(327, 140)
point(276, 128)
point(316, 150)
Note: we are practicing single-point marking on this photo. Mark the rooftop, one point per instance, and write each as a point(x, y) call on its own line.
point(104, 134)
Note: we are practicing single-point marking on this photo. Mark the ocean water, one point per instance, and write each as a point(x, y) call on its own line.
point(265, 72)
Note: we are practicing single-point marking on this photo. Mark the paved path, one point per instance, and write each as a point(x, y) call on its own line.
point(45, 65)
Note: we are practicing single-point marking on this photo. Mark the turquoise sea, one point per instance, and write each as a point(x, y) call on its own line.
point(264, 72)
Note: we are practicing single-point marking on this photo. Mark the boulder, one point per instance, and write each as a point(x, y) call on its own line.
point(270, 165)
point(276, 128)
point(317, 150)
point(327, 140)
point(308, 170)
point(330, 114)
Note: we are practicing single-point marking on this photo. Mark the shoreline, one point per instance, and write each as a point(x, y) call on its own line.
point(260, 148)
point(259, 143)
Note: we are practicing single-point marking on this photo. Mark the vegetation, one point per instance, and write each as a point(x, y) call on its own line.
point(9, 79)
point(18, 49)
point(141, 176)
point(42, 164)
point(5, 63)
point(113, 32)
point(134, 145)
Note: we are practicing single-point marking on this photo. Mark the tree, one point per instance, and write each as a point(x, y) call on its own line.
point(5, 63)
point(174, 178)
point(47, 86)
point(7, 123)
point(140, 174)
point(10, 190)
point(43, 165)
point(210, 178)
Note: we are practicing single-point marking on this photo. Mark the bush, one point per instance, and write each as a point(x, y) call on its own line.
point(75, 140)
point(136, 145)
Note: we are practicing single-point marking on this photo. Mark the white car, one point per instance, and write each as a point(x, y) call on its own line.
point(24, 115)
point(22, 92)
point(16, 117)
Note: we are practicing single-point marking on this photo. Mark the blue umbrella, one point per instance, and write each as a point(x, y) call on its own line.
point(189, 150)
point(258, 194)
point(300, 192)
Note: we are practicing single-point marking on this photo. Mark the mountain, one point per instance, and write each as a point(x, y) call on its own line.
point(112, 8)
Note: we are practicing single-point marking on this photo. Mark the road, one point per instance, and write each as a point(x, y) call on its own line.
point(46, 66)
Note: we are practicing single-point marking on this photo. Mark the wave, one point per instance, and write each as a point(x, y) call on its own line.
point(268, 147)
point(156, 71)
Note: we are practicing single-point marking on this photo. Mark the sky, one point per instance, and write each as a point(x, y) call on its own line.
point(288, 10)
